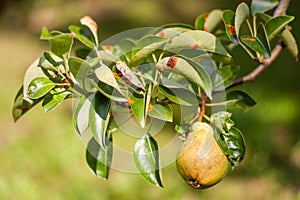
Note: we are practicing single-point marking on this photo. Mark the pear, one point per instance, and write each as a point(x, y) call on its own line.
point(200, 161)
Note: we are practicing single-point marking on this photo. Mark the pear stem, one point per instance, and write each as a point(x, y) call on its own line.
point(202, 110)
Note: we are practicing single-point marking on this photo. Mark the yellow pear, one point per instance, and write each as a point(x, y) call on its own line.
point(200, 161)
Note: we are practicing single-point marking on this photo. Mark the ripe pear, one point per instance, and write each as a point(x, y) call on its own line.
point(200, 161)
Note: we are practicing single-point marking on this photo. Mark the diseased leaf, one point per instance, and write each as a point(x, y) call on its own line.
point(256, 45)
point(161, 111)
point(137, 101)
point(39, 87)
point(54, 98)
point(146, 157)
point(228, 19)
point(99, 116)
point(275, 25)
point(99, 158)
point(92, 25)
point(239, 99)
point(241, 14)
point(261, 6)
point(128, 74)
point(212, 20)
point(21, 105)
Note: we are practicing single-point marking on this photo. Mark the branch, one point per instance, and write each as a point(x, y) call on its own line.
point(280, 10)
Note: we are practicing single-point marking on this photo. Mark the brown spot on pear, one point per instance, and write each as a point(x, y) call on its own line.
point(200, 161)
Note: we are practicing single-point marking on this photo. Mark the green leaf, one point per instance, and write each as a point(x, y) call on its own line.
point(161, 111)
point(92, 25)
point(196, 39)
point(99, 117)
point(146, 157)
point(236, 146)
point(80, 35)
point(263, 38)
point(21, 105)
point(228, 19)
point(99, 158)
point(226, 75)
point(54, 98)
point(39, 87)
point(261, 6)
point(79, 69)
point(81, 115)
point(240, 99)
point(256, 45)
point(222, 120)
point(180, 96)
point(200, 21)
point(137, 102)
point(178, 25)
point(277, 24)
point(241, 14)
point(213, 19)
point(291, 44)
point(191, 70)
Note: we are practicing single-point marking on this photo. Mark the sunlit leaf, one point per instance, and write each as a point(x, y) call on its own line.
point(228, 19)
point(92, 25)
point(161, 111)
point(79, 69)
point(81, 115)
point(137, 101)
point(128, 74)
point(277, 24)
point(39, 87)
point(241, 14)
point(240, 99)
point(99, 158)
point(79, 34)
point(146, 157)
point(260, 6)
point(54, 98)
point(213, 19)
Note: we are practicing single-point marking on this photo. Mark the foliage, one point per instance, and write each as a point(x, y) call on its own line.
point(175, 64)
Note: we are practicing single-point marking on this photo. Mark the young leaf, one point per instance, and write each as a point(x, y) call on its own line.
point(256, 45)
point(228, 19)
point(212, 20)
point(92, 25)
point(196, 39)
point(240, 99)
point(81, 115)
point(241, 14)
point(137, 101)
point(21, 105)
point(191, 70)
point(99, 158)
point(161, 111)
point(277, 24)
point(39, 87)
point(78, 33)
point(146, 157)
point(261, 6)
point(99, 117)
point(54, 98)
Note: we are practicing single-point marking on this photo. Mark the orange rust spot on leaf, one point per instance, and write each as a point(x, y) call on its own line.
point(249, 39)
point(130, 101)
point(206, 15)
point(24, 107)
point(108, 48)
point(90, 21)
point(231, 29)
point(162, 34)
point(195, 45)
point(205, 28)
point(172, 62)
point(160, 68)
point(150, 107)
point(117, 75)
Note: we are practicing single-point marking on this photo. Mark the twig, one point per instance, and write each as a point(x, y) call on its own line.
point(280, 10)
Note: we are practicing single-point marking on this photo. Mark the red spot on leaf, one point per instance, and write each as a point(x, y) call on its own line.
point(249, 39)
point(89, 20)
point(231, 29)
point(172, 62)
point(206, 15)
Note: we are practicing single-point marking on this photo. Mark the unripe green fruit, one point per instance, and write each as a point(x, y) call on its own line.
point(200, 161)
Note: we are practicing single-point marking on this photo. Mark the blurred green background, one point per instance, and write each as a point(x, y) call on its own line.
point(41, 157)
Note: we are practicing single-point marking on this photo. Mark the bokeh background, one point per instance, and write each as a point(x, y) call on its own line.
point(41, 157)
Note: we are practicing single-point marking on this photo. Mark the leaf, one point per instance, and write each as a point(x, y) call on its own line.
point(54, 98)
point(213, 19)
point(241, 14)
point(178, 25)
point(200, 21)
point(180, 96)
point(146, 157)
point(228, 19)
point(277, 24)
point(21, 105)
point(191, 70)
point(236, 146)
point(256, 45)
point(79, 34)
point(99, 158)
point(128, 74)
point(288, 39)
point(148, 40)
point(261, 6)
point(92, 25)
point(79, 69)
point(222, 121)
point(39, 87)
point(263, 38)
point(226, 75)
point(60, 43)
point(99, 116)
point(196, 39)
point(137, 101)
point(161, 111)
point(240, 100)
point(81, 115)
